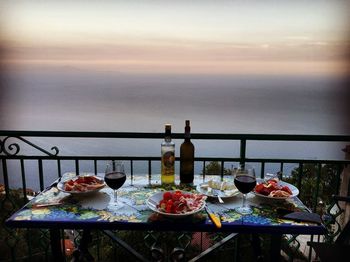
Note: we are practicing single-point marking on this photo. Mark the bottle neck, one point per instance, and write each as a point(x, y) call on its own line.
point(167, 136)
point(187, 133)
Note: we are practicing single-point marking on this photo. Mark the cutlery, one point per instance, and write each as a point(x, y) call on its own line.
point(55, 183)
point(220, 199)
point(46, 204)
point(152, 203)
point(215, 193)
point(213, 217)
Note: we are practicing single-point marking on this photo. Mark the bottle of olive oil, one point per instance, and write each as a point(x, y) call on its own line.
point(168, 158)
point(187, 157)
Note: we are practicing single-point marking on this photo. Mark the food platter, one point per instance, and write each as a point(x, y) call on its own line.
point(81, 185)
point(154, 201)
point(223, 189)
point(294, 191)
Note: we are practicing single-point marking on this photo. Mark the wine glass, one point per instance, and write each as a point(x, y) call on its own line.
point(245, 181)
point(115, 177)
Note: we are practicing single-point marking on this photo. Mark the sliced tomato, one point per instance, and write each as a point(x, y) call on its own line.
point(167, 195)
point(70, 182)
point(168, 208)
point(79, 180)
point(272, 181)
point(267, 190)
point(161, 202)
point(286, 189)
point(259, 188)
point(177, 195)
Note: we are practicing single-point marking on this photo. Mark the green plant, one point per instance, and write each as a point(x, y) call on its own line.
point(312, 186)
point(214, 168)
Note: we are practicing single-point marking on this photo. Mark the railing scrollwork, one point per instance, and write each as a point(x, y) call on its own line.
point(12, 148)
point(331, 222)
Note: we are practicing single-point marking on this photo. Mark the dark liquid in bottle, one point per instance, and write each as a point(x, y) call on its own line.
point(245, 184)
point(186, 162)
point(115, 180)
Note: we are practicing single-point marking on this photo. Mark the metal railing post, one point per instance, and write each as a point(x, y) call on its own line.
point(242, 151)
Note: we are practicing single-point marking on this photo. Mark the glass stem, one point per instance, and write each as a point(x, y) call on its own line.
point(243, 202)
point(115, 196)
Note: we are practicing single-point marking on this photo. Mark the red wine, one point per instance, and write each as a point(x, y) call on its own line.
point(115, 180)
point(245, 184)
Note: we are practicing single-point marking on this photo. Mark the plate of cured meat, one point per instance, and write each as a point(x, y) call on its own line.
point(176, 203)
point(275, 189)
point(81, 185)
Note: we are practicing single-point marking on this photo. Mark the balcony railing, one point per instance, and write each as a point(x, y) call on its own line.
point(20, 153)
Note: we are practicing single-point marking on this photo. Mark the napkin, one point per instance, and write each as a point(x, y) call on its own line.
point(304, 217)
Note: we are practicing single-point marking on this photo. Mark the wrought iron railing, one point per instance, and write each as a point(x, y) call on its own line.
point(14, 159)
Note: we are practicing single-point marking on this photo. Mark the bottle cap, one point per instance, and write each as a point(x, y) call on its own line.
point(187, 122)
point(167, 129)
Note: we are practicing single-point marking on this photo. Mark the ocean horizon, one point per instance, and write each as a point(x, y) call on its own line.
point(70, 99)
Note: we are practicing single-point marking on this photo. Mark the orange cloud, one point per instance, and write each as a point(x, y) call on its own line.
point(180, 56)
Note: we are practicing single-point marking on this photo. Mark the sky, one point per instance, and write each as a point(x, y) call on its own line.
point(309, 39)
point(182, 37)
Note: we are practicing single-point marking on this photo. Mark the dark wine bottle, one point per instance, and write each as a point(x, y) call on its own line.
point(187, 157)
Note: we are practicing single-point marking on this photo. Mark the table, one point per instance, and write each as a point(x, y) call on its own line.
point(91, 212)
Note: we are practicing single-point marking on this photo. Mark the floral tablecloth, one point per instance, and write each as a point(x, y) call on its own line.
point(95, 208)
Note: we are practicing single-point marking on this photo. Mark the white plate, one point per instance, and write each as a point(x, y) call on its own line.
point(60, 186)
point(153, 200)
point(202, 188)
point(295, 191)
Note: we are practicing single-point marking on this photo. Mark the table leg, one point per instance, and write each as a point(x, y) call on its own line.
point(275, 249)
point(82, 253)
point(215, 246)
point(131, 250)
point(56, 247)
point(256, 243)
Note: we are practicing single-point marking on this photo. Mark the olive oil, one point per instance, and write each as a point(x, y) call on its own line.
point(168, 158)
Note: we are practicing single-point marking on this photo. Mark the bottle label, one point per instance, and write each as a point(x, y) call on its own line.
point(168, 159)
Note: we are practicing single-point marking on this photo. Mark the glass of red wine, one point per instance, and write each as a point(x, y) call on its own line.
point(115, 177)
point(245, 181)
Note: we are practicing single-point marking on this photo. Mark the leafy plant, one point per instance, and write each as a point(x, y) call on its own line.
point(316, 181)
point(214, 168)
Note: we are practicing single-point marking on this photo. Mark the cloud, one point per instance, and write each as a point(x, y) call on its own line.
point(298, 38)
point(179, 50)
point(185, 55)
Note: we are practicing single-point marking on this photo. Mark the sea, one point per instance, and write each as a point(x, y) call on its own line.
point(73, 99)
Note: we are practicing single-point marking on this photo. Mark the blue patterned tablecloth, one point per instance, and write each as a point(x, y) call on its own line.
point(93, 212)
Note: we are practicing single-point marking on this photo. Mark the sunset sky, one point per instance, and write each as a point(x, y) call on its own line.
point(183, 37)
